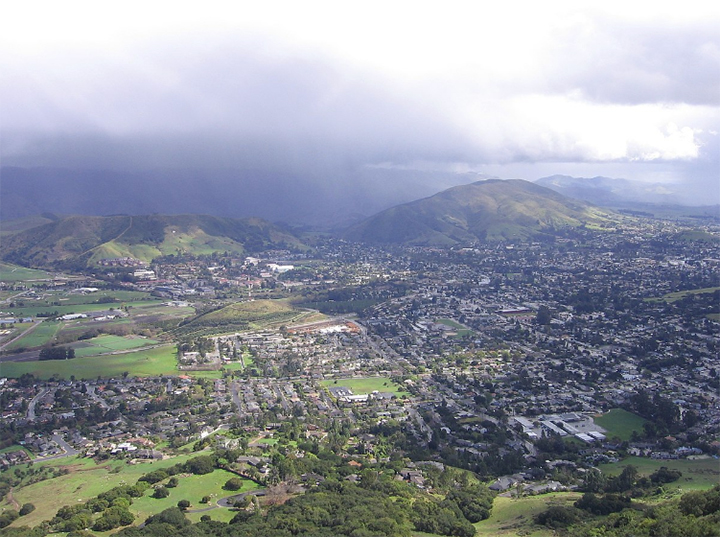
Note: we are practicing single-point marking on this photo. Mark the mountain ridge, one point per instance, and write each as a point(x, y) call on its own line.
point(488, 210)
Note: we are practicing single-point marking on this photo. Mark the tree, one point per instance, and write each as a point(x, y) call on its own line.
point(233, 484)
point(183, 505)
point(26, 509)
point(161, 492)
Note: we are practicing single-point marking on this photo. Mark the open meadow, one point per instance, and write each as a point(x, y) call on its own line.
point(86, 479)
point(511, 517)
point(697, 474)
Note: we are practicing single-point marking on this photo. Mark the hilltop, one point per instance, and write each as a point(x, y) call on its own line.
point(487, 210)
point(83, 240)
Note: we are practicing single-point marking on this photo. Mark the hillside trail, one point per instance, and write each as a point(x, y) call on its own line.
point(11, 500)
point(111, 240)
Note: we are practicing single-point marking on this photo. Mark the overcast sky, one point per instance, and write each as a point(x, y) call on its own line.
point(522, 89)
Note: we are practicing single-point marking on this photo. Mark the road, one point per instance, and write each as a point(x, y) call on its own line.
point(33, 403)
point(69, 450)
point(26, 331)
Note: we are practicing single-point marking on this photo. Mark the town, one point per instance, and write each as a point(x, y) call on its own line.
point(518, 362)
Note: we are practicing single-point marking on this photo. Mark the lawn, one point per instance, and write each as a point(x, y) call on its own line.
point(511, 517)
point(142, 363)
point(696, 474)
point(191, 488)
point(620, 423)
point(368, 385)
point(107, 343)
point(42, 334)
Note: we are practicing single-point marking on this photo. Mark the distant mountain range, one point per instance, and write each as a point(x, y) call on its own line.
point(607, 191)
point(78, 241)
point(487, 210)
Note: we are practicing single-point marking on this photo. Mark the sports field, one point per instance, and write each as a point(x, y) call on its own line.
point(620, 423)
point(368, 385)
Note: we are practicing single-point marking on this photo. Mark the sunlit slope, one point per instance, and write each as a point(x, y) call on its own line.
point(486, 211)
point(86, 239)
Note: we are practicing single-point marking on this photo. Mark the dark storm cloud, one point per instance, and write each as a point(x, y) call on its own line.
point(225, 102)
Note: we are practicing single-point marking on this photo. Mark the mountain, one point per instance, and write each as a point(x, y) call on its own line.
point(485, 210)
point(607, 191)
point(77, 241)
point(329, 197)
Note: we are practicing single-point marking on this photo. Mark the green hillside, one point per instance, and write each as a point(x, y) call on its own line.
point(78, 241)
point(490, 210)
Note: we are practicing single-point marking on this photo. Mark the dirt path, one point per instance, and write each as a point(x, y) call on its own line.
point(11, 499)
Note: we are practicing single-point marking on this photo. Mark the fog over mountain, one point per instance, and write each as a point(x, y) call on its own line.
point(320, 112)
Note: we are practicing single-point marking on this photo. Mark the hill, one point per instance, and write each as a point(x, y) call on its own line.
point(78, 241)
point(488, 210)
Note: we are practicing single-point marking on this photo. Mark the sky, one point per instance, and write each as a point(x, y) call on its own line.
point(320, 90)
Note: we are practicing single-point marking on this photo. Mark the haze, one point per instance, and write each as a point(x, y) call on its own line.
point(360, 105)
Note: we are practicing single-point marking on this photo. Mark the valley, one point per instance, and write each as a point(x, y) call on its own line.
point(534, 371)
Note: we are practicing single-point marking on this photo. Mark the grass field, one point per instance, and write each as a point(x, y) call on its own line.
point(696, 474)
point(461, 330)
point(142, 363)
point(107, 343)
point(87, 479)
point(511, 517)
point(42, 334)
point(12, 273)
point(678, 295)
point(368, 385)
point(32, 311)
point(620, 423)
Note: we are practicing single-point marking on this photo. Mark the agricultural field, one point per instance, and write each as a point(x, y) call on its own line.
point(620, 423)
point(511, 517)
point(41, 335)
point(108, 344)
point(251, 315)
point(368, 385)
point(697, 474)
point(141, 363)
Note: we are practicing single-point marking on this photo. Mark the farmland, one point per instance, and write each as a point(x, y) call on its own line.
point(142, 363)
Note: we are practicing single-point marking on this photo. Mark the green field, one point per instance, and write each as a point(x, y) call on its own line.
point(368, 385)
point(696, 474)
point(678, 295)
point(41, 335)
point(620, 423)
point(86, 480)
point(142, 363)
point(511, 517)
point(12, 273)
point(461, 330)
point(254, 315)
point(106, 343)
